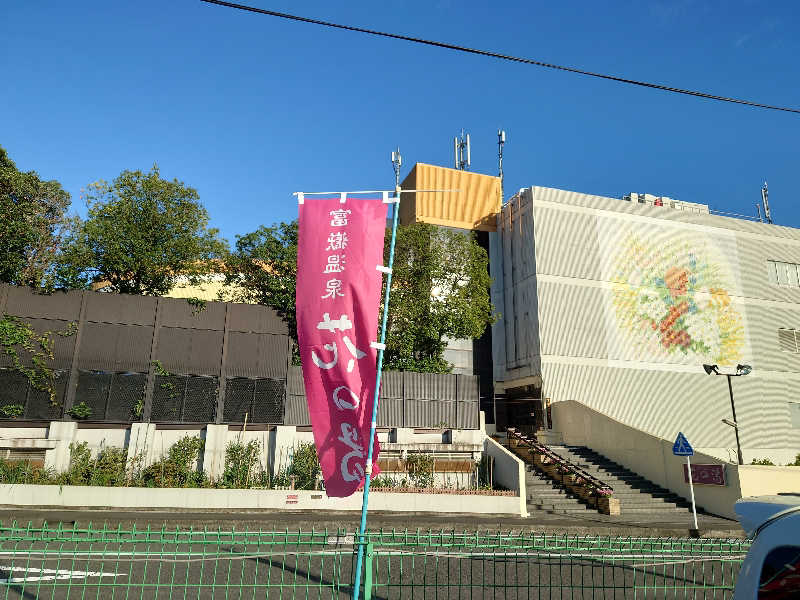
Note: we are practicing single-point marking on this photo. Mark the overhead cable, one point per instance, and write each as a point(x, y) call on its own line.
point(508, 57)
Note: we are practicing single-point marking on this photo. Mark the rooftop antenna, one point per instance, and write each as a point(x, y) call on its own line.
point(758, 211)
point(397, 161)
point(461, 152)
point(501, 140)
point(765, 200)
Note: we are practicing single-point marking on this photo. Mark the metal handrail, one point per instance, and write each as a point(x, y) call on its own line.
point(559, 460)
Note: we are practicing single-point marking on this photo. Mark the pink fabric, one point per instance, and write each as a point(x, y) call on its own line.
point(338, 296)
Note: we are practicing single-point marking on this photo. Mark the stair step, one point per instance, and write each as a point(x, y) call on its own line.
point(656, 505)
point(637, 495)
point(655, 513)
point(560, 509)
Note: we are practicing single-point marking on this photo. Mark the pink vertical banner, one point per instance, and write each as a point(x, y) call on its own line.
point(340, 246)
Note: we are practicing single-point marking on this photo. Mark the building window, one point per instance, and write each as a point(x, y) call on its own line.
point(794, 414)
point(788, 340)
point(783, 273)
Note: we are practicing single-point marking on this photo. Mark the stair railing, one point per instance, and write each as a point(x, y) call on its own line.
point(566, 466)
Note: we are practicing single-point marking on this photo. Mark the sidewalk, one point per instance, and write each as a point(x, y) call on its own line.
point(540, 522)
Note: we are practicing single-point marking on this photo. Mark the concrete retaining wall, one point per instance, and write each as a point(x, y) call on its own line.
point(278, 443)
point(652, 458)
point(509, 471)
point(46, 496)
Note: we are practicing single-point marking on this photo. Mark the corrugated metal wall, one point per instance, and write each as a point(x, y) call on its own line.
point(113, 361)
point(473, 206)
point(585, 356)
point(407, 400)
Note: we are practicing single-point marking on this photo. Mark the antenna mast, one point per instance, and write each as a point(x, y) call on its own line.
point(765, 200)
point(501, 140)
point(397, 161)
point(461, 152)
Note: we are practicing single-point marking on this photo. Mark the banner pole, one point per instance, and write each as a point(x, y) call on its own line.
point(368, 467)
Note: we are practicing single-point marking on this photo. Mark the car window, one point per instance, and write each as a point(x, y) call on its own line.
point(780, 574)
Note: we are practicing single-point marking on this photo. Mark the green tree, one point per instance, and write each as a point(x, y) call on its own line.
point(263, 270)
point(33, 218)
point(141, 234)
point(440, 288)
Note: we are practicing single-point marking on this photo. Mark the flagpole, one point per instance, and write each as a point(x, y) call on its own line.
point(376, 396)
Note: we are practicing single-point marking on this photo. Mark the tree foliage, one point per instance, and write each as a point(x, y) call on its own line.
point(33, 218)
point(141, 234)
point(263, 269)
point(440, 288)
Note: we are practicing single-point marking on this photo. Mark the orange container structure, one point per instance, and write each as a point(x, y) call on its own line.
point(473, 206)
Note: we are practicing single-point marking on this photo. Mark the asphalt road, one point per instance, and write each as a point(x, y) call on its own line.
point(120, 571)
point(149, 568)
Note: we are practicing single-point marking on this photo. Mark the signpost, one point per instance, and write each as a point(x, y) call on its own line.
point(682, 447)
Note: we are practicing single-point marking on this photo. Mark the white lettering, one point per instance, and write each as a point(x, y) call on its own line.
point(345, 403)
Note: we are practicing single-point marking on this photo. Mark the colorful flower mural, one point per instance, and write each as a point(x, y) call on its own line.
point(670, 295)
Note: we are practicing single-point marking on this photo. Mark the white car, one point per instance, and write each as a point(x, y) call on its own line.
point(771, 569)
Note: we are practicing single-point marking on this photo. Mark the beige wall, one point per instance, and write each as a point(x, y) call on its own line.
point(208, 289)
point(759, 480)
point(652, 458)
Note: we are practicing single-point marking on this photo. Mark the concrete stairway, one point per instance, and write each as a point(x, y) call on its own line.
point(636, 494)
point(544, 494)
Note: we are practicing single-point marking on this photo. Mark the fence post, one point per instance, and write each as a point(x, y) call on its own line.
point(72, 382)
point(219, 411)
point(368, 573)
point(3, 297)
point(151, 366)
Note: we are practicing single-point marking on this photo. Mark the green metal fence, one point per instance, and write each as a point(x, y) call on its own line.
point(89, 562)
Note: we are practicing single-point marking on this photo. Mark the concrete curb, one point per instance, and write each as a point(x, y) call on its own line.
point(187, 499)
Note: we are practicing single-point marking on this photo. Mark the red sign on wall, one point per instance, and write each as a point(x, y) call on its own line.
point(706, 474)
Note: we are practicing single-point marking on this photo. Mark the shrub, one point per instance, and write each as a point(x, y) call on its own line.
point(420, 469)
point(107, 469)
point(176, 468)
point(80, 465)
point(23, 471)
point(384, 481)
point(762, 461)
point(80, 411)
point(796, 462)
point(12, 411)
point(240, 464)
point(305, 467)
point(485, 472)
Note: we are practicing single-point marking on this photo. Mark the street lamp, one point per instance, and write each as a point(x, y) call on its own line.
point(740, 370)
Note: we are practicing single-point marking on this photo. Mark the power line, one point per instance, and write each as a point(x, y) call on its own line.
point(508, 57)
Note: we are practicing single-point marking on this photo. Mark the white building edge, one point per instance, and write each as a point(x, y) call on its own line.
point(618, 303)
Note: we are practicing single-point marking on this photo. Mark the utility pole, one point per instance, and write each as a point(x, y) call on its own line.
point(461, 151)
point(765, 200)
point(397, 161)
point(501, 140)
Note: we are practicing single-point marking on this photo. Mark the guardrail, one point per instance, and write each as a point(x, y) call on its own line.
point(82, 562)
point(565, 466)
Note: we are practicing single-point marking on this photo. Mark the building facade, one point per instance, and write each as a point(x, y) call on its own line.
point(618, 304)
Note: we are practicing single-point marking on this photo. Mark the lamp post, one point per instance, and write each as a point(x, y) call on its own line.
point(740, 370)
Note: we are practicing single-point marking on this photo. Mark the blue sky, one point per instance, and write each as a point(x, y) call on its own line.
point(249, 109)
